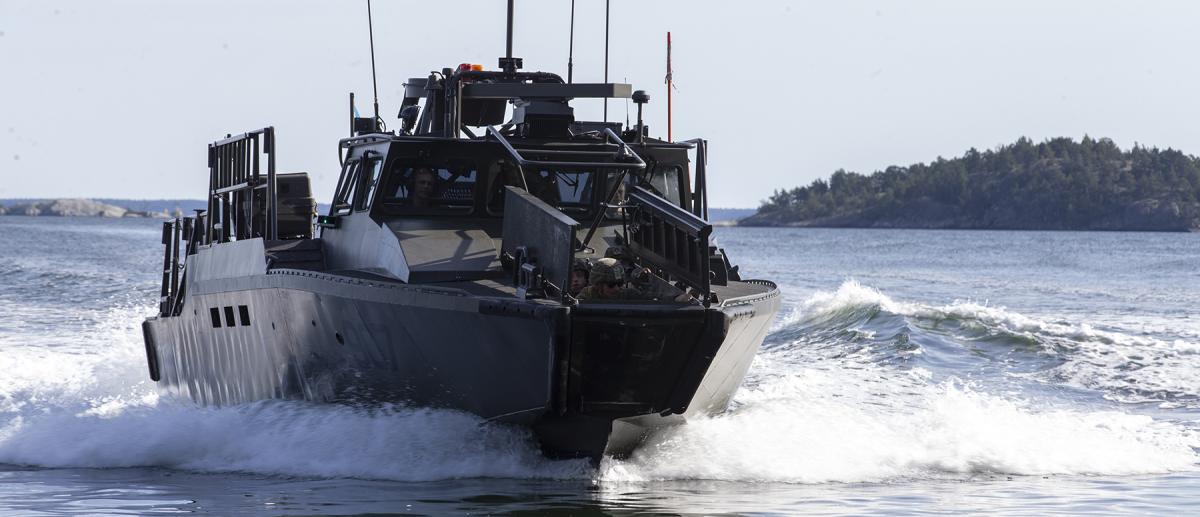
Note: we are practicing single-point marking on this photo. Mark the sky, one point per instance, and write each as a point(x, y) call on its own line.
point(119, 99)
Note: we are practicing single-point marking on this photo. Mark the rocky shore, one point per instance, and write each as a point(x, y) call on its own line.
point(74, 208)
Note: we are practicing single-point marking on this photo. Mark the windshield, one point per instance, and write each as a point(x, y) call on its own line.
point(569, 191)
point(665, 183)
point(432, 187)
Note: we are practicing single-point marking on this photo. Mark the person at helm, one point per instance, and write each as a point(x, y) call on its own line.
point(424, 187)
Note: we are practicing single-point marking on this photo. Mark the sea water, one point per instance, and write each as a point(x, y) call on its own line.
point(909, 372)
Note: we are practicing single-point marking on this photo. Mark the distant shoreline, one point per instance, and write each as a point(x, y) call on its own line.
point(1133, 219)
point(737, 224)
point(718, 217)
point(77, 207)
point(105, 207)
point(1058, 184)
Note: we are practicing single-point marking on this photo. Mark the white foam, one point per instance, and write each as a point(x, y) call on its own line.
point(807, 417)
point(851, 297)
point(840, 425)
point(288, 438)
point(87, 402)
point(1125, 365)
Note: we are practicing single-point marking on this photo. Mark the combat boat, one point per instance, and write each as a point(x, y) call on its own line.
point(441, 274)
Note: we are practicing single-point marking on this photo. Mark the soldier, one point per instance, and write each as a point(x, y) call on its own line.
point(638, 276)
point(619, 198)
point(606, 281)
point(424, 187)
point(579, 277)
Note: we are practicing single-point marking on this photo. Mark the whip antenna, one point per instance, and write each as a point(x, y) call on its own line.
point(626, 106)
point(606, 4)
point(374, 84)
point(669, 86)
point(571, 46)
point(508, 63)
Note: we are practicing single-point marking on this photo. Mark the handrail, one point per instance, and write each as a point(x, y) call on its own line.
point(622, 150)
point(700, 191)
point(235, 173)
point(672, 239)
point(624, 147)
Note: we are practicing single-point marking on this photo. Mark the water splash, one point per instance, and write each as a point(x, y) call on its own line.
point(89, 404)
point(856, 386)
point(844, 391)
point(824, 426)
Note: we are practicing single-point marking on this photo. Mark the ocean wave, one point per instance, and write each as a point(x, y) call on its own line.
point(816, 426)
point(1123, 365)
point(285, 438)
point(87, 402)
point(825, 402)
point(1126, 367)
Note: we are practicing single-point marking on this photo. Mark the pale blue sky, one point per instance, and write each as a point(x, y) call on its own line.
point(119, 99)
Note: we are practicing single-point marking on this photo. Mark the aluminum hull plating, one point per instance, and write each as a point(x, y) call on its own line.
point(326, 337)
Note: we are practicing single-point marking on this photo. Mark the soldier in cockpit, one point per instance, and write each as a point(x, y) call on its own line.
point(424, 187)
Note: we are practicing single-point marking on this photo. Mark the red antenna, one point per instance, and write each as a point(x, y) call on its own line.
point(668, 79)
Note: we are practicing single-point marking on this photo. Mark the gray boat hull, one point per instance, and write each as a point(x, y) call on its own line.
point(589, 379)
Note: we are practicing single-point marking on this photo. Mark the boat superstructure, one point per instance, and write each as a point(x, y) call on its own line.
point(440, 276)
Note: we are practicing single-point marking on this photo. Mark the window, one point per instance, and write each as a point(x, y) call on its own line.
point(432, 188)
point(570, 191)
point(345, 188)
point(620, 197)
point(573, 190)
point(503, 174)
point(370, 182)
point(665, 183)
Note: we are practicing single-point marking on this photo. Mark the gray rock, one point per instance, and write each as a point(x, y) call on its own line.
point(67, 208)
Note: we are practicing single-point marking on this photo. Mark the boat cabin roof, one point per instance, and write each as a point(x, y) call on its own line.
point(397, 175)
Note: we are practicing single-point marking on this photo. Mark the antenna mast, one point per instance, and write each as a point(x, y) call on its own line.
point(508, 40)
point(669, 87)
point(508, 63)
point(606, 4)
point(374, 83)
point(571, 46)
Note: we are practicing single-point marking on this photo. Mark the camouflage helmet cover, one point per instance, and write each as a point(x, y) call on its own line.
point(581, 264)
point(606, 270)
point(618, 252)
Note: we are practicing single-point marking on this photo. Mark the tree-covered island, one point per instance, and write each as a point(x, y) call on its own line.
point(1059, 184)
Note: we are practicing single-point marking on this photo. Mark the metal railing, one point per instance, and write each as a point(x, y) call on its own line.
point(699, 206)
point(235, 176)
point(622, 151)
point(170, 274)
point(672, 239)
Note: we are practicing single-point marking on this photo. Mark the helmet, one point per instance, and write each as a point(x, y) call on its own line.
point(581, 264)
point(606, 270)
point(618, 252)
